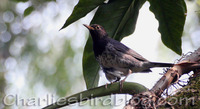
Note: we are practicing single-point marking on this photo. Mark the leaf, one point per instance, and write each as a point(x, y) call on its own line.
point(128, 88)
point(28, 11)
point(90, 66)
point(118, 17)
point(171, 17)
point(81, 9)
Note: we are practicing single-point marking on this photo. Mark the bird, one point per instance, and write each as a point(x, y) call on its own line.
point(116, 59)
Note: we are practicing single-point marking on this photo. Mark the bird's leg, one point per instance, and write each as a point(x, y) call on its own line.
point(118, 78)
point(121, 82)
point(106, 86)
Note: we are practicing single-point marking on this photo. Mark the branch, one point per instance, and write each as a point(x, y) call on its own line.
point(128, 88)
point(149, 99)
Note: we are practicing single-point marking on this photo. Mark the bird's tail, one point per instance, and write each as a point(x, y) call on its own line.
point(158, 64)
point(147, 65)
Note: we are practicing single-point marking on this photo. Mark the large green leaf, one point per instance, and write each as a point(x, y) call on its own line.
point(90, 66)
point(81, 9)
point(118, 17)
point(171, 15)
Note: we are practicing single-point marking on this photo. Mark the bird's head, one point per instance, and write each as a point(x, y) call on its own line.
point(96, 31)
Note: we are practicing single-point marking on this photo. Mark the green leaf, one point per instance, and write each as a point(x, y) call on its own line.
point(81, 9)
point(171, 15)
point(118, 17)
point(90, 66)
point(28, 11)
point(128, 88)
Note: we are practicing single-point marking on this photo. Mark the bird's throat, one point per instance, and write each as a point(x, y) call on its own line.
point(99, 46)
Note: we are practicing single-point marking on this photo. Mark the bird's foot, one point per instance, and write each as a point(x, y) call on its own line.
point(121, 84)
point(106, 86)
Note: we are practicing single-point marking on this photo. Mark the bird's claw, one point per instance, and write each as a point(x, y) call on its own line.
point(106, 86)
point(121, 85)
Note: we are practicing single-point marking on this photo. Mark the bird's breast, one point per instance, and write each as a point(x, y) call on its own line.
point(106, 59)
point(104, 54)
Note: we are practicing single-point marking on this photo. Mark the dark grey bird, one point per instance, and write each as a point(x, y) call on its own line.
point(116, 59)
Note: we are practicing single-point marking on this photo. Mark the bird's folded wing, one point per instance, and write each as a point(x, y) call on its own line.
point(124, 49)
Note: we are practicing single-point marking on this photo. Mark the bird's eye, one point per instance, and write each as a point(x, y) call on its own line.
point(97, 27)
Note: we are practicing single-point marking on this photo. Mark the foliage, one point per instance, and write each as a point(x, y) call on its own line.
point(81, 9)
point(171, 16)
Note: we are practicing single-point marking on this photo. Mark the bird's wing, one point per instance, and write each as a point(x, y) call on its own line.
point(124, 49)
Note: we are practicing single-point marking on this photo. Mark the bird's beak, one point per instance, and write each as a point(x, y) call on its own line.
point(89, 27)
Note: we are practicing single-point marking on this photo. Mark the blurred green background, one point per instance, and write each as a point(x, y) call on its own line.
point(37, 60)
